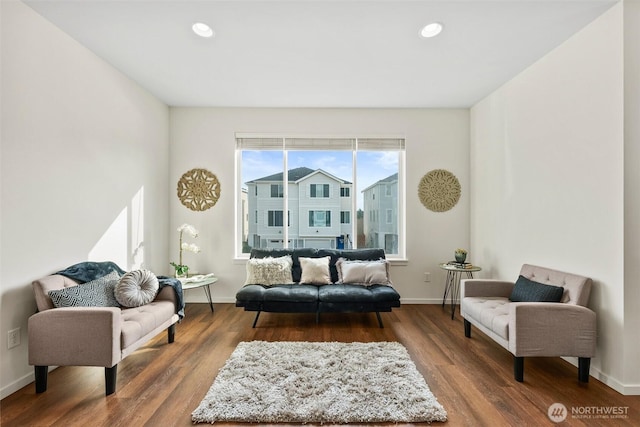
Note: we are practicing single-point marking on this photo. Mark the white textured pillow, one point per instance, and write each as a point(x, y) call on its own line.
point(315, 270)
point(136, 288)
point(269, 271)
point(363, 272)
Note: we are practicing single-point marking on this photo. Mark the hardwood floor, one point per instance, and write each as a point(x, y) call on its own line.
point(160, 384)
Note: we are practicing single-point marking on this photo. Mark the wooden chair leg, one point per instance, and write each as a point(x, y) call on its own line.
point(467, 328)
point(41, 378)
point(110, 375)
point(583, 369)
point(171, 333)
point(518, 368)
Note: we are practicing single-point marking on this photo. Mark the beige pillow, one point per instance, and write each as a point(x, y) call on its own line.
point(363, 272)
point(315, 270)
point(269, 271)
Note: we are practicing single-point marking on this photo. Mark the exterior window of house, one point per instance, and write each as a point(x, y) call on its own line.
point(277, 190)
point(345, 217)
point(275, 219)
point(319, 218)
point(319, 190)
point(317, 180)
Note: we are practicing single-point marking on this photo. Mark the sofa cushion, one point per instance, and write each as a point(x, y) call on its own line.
point(96, 293)
point(136, 288)
point(140, 321)
point(346, 293)
point(269, 271)
point(363, 272)
point(315, 270)
point(491, 312)
point(284, 293)
point(526, 290)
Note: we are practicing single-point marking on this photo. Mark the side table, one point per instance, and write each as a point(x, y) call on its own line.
point(452, 285)
point(203, 281)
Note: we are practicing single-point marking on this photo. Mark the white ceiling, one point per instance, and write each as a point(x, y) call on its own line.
point(313, 53)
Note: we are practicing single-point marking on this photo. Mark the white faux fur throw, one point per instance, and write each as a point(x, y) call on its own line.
point(319, 382)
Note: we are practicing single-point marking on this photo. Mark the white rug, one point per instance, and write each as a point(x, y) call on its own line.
point(326, 382)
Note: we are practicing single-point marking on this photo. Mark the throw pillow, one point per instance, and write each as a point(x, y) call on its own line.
point(96, 293)
point(136, 288)
point(363, 272)
point(526, 290)
point(269, 271)
point(315, 270)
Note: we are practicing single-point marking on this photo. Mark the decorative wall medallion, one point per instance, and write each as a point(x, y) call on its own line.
point(439, 190)
point(198, 189)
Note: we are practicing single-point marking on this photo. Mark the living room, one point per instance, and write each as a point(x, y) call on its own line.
point(546, 162)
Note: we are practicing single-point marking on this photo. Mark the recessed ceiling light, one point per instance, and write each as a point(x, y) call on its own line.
point(202, 29)
point(431, 30)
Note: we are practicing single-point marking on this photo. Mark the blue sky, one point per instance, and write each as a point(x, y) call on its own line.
point(372, 165)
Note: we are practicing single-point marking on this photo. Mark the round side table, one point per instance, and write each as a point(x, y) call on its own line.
point(452, 285)
point(200, 281)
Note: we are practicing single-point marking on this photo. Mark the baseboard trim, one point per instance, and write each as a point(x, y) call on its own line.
point(20, 383)
point(421, 300)
point(17, 385)
point(627, 390)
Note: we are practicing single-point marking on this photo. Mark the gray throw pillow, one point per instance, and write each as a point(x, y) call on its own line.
point(97, 293)
point(526, 290)
point(136, 288)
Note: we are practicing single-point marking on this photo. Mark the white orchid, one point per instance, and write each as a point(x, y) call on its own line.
point(189, 229)
point(190, 247)
point(181, 269)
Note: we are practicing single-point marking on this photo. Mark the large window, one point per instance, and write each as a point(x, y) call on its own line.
point(323, 183)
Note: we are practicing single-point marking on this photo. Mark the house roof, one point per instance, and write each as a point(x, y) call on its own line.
point(296, 174)
point(387, 180)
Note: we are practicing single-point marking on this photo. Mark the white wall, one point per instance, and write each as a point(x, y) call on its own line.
point(204, 138)
point(632, 192)
point(547, 177)
point(83, 170)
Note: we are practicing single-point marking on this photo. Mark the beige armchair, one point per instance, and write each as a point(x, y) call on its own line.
point(534, 329)
point(92, 336)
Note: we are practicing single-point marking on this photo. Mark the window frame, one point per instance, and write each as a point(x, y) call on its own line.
point(281, 143)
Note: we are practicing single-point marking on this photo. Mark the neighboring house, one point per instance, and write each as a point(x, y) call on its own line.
point(381, 214)
point(319, 210)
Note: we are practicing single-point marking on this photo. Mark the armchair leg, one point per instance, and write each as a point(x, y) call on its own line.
point(41, 378)
point(110, 375)
point(467, 328)
point(171, 333)
point(518, 368)
point(583, 369)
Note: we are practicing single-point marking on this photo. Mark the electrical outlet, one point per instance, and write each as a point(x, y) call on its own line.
point(13, 338)
point(427, 277)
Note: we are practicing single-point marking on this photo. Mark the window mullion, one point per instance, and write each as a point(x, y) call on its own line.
point(285, 195)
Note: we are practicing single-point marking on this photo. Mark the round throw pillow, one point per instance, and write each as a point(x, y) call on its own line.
point(136, 288)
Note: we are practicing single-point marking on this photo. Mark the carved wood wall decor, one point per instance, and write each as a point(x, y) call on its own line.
point(198, 189)
point(439, 190)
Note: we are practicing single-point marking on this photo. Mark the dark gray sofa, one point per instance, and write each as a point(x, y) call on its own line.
point(311, 298)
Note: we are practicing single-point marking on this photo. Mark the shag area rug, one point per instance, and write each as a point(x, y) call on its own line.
point(319, 382)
